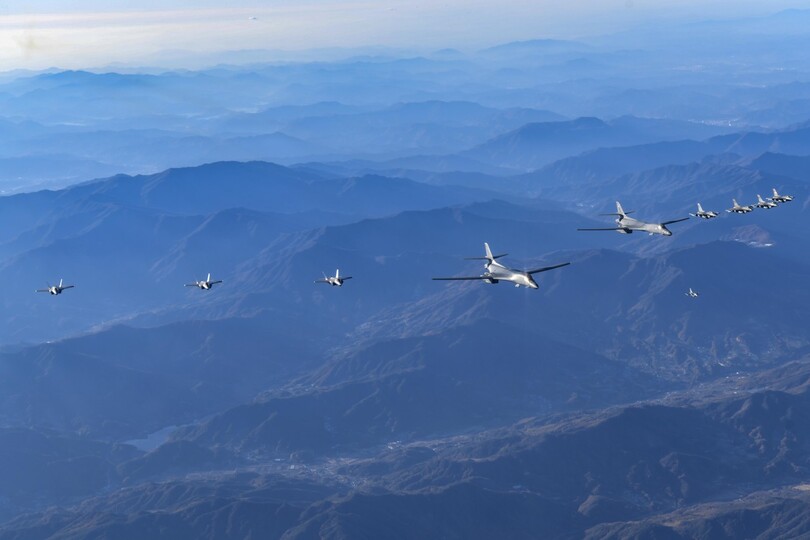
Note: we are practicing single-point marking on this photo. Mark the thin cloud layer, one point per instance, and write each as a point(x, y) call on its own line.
point(82, 37)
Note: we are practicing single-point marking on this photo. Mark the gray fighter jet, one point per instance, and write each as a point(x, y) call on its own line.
point(204, 285)
point(737, 209)
point(56, 289)
point(335, 281)
point(703, 214)
point(762, 203)
point(496, 272)
point(692, 294)
point(780, 198)
point(627, 225)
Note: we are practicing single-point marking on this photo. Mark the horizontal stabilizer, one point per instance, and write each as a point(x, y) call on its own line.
point(486, 258)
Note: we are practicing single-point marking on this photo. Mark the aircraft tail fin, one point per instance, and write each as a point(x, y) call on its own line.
point(620, 212)
point(337, 273)
point(60, 282)
point(209, 277)
point(488, 256)
point(775, 194)
point(735, 202)
point(700, 208)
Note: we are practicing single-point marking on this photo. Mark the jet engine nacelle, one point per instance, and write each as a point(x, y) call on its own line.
point(491, 281)
point(624, 231)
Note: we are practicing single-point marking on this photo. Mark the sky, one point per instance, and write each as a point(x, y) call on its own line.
point(96, 33)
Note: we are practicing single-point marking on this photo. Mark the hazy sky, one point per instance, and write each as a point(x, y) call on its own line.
point(94, 33)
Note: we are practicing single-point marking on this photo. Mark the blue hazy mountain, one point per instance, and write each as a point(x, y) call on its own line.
point(606, 404)
point(537, 144)
point(421, 387)
point(158, 232)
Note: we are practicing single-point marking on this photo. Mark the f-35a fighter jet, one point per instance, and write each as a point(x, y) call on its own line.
point(56, 289)
point(334, 281)
point(204, 285)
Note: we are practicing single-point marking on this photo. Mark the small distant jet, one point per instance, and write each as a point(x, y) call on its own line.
point(334, 281)
point(762, 203)
point(496, 272)
point(253, 18)
point(56, 289)
point(737, 209)
point(780, 198)
point(627, 225)
point(204, 285)
point(691, 293)
point(703, 214)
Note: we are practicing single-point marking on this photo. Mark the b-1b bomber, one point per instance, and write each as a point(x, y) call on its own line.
point(628, 225)
point(497, 272)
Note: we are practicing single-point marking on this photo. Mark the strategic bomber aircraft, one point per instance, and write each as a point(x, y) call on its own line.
point(334, 281)
point(703, 214)
point(780, 198)
point(627, 225)
point(737, 209)
point(496, 272)
point(56, 289)
point(204, 285)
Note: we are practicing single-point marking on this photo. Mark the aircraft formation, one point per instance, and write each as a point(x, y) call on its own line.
point(737, 208)
point(495, 272)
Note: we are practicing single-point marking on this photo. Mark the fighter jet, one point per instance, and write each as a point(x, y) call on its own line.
point(703, 214)
point(691, 293)
point(780, 198)
point(626, 225)
point(335, 281)
point(737, 209)
point(204, 285)
point(496, 272)
point(762, 203)
point(56, 289)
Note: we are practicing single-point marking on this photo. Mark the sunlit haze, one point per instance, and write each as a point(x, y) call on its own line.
point(181, 33)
